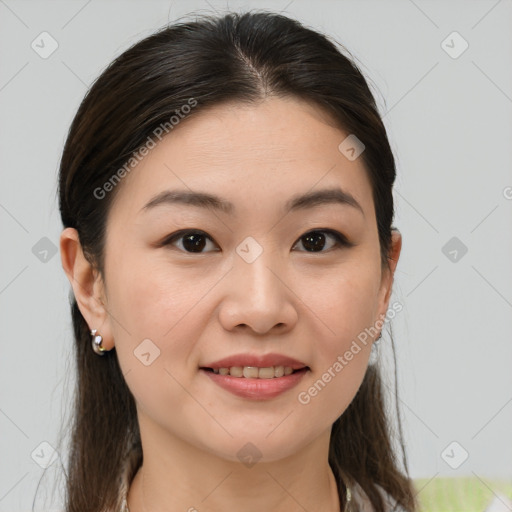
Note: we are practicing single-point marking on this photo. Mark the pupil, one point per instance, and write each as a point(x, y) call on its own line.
point(194, 242)
point(314, 240)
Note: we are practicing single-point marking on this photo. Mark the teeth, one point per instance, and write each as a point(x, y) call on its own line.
point(252, 372)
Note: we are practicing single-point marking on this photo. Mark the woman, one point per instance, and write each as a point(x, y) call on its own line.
point(226, 194)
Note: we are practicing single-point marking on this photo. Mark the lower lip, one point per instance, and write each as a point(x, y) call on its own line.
point(257, 389)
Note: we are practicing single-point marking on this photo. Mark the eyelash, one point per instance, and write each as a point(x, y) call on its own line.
point(340, 239)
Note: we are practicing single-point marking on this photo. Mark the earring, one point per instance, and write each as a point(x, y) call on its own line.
point(374, 351)
point(97, 341)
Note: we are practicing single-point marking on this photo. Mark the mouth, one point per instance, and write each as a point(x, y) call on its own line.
point(255, 372)
point(256, 376)
point(255, 382)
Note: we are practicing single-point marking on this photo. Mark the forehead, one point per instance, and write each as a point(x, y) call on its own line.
point(253, 154)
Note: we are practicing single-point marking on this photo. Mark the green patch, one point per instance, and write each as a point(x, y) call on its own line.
point(459, 494)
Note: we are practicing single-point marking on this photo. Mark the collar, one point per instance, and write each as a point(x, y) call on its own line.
point(133, 461)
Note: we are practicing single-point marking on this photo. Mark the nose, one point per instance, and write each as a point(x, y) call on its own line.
point(258, 297)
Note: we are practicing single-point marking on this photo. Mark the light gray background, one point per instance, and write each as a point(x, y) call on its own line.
point(450, 125)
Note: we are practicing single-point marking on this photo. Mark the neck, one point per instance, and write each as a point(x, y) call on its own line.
point(178, 476)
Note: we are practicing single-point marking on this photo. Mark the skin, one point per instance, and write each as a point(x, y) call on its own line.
point(200, 307)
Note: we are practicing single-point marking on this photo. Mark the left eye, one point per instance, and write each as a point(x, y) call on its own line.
point(315, 241)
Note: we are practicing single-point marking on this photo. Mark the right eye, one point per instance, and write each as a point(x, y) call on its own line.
point(192, 241)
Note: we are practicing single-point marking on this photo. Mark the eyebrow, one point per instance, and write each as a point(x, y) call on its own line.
point(213, 202)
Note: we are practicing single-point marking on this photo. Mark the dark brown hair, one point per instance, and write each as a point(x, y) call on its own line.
point(212, 60)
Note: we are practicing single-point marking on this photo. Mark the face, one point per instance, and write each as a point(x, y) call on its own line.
point(255, 271)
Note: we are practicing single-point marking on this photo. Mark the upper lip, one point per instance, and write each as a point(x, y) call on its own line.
point(260, 361)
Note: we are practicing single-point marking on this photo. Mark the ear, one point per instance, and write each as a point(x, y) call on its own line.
point(388, 274)
point(87, 284)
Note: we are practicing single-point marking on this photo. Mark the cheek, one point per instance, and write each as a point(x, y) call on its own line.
point(345, 302)
point(149, 299)
point(346, 305)
point(150, 318)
